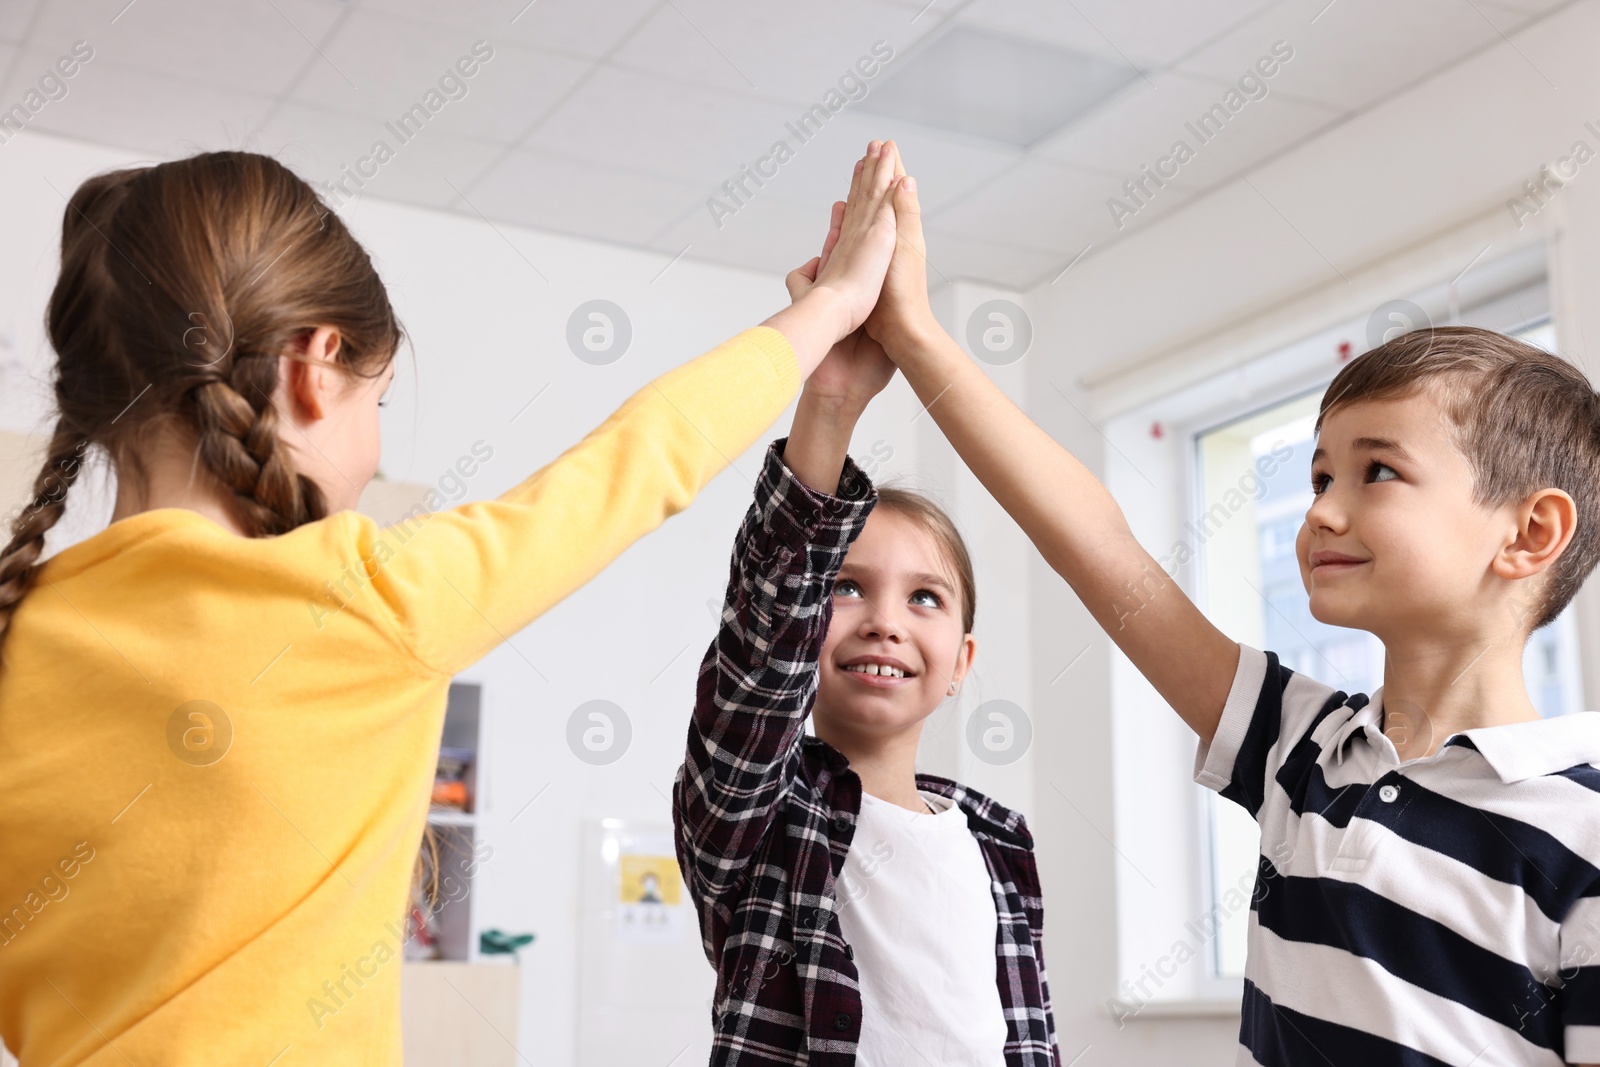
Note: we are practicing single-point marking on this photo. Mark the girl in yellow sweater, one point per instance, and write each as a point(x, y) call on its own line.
point(219, 716)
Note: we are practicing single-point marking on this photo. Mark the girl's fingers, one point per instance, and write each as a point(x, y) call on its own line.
point(834, 225)
point(880, 172)
point(857, 186)
point(875, 178)
point(892, 170)
point(802, 277)
point(869, 201)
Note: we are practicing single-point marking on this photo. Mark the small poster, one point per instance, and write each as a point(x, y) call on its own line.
point(650, 897)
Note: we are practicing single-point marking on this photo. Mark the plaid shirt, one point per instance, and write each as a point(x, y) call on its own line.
point(764, 814)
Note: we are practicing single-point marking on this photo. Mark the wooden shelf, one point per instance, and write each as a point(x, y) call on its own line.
point(455, 1014)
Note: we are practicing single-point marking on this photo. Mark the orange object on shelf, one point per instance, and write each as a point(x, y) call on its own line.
point(450, 794)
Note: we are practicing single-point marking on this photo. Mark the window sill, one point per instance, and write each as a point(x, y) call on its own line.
point(1222, 1008)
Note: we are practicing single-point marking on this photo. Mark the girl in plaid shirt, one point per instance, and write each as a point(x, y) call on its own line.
point(856, 912)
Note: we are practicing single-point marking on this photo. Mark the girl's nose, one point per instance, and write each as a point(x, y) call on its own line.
point(878, 624)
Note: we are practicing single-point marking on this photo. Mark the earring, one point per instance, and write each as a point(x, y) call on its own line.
point(952, 687)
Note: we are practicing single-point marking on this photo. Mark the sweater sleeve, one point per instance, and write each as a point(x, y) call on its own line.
point(758, 679)
point(466, 579)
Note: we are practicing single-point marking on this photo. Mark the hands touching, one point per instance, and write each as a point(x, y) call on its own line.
point(833, 294)
point(861, 240)
point(901, 323)
point(903, 318)
point(847, 276)
point(856, 368)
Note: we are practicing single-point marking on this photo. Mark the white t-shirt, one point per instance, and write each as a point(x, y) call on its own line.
point(917, 908)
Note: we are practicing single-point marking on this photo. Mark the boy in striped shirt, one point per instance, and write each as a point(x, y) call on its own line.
point(1429, 881)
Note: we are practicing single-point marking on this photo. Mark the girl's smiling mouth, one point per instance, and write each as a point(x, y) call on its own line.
point(878, 670)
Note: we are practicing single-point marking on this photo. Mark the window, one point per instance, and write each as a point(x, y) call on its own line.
point(1253, 481)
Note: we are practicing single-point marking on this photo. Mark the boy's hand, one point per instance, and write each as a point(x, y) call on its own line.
point(856, 369)
point(903, 313)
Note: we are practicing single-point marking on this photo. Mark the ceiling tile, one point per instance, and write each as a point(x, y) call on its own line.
point(1047, 206)
point(946, 166)
point(1505, 17)
point(1146, 35)
point(14, 16)
point(646, 123)
point(514, 90)
point(251, 46)
point(585, 199)
point(997, 87)
point(148, 113)
point(432, 169)
point(394, 64)
point(1541, 7)
point(790, 51)
point(1048, 23)
point(1356, 53)
point(324, 146)
point(767, 234)
point(577, 26)
point(633, 149)
point(1146, 125)
point(954, 257)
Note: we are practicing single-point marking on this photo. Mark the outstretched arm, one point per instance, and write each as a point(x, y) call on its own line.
point(758, 679)
point(1063, 508)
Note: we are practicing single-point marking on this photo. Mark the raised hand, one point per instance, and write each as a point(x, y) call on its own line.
point(857, 368)
point(903, 313)
point(833, 298)
point(860, 254)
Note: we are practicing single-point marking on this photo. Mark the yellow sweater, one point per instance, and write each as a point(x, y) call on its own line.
point(159, 909)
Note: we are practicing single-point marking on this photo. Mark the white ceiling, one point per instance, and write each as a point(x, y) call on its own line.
point(617, 119)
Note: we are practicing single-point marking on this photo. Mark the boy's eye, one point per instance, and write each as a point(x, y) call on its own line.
point(931, 595)
point(1375, 467)
point(845, 587)
point(1375, 473)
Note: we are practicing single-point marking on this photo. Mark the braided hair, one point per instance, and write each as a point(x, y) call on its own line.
point(181, 286)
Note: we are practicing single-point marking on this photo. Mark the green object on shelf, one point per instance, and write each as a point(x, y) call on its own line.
point(498, 942)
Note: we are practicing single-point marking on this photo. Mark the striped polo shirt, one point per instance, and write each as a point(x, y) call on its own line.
point(1441, 911)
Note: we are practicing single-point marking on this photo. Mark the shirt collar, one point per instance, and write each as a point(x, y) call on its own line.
point(1365, 718)
point(1522, 750)
point(1517, 751)
point(983, 813)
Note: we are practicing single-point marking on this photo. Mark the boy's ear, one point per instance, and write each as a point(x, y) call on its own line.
point(1546, 522)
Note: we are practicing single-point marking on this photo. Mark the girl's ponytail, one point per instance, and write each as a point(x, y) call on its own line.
point(19, 558)
point(181, 286)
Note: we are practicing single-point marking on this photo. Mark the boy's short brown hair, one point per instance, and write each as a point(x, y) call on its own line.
point(1524, 419)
